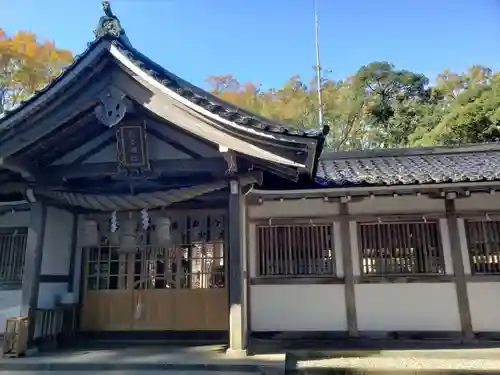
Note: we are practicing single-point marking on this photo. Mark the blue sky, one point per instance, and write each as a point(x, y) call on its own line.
point(267, 41)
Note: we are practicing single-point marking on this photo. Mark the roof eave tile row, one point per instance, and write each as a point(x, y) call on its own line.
point(208, 101)
point(409, 169)
point(49, 85)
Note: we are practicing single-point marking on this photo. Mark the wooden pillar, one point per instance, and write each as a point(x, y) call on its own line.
point(73, 249)
point(33, 263)
point(237, 339)
point(350, 301)
point(458, 268)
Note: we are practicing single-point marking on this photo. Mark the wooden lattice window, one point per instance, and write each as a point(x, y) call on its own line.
point(12, 253)
point(195, 266)
point(295, 250)
point(483, 238)
point(402, 248)
point(106, 268)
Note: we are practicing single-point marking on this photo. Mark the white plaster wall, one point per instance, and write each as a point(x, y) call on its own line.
point(49, 294)
point(484, 301)
point(15, 219)
point(56, 255)
point(479, 202)
point(396, 205)
point(297, 308)
point(380, 307)
point(407, 307)
point(293, 208)
point(319, 208)
point(57, 242)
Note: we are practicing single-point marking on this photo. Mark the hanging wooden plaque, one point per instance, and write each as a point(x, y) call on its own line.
point(132, 147)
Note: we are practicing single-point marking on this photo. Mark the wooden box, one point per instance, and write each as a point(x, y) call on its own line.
point(15, 342)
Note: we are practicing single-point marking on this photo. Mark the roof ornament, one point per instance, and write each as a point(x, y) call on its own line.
point(109, 26)
point(112, 108)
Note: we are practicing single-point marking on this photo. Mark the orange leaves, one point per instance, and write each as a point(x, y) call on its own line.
point(220, 84)
point(284, 104)
point(230, 90)
point(26, 64)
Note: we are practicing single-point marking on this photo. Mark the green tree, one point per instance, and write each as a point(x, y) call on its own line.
point(474, 116)
point(381, 106)
point(392, 97)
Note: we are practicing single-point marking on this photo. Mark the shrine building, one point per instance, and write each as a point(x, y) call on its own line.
point(161, 211)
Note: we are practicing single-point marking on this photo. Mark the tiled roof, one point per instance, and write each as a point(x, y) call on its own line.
point(410, 166)
point(211, 102)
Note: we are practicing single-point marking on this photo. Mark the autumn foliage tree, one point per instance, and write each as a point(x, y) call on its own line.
point(378, 106)
point(26, 65)
point(381, 106)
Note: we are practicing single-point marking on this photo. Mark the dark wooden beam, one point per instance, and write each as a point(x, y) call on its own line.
point(172, 167)
point(16, 165)
point(73, 249)
point(346, 248)
point(458, 269)
point(282, 171)
point(128, 185)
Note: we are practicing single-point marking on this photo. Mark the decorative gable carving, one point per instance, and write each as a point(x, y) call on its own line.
point(113, 107)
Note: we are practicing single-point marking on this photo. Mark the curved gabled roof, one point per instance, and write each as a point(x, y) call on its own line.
point(110, 29)
point(299, 149)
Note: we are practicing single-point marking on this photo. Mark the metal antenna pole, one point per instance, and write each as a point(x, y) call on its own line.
point(318, 68)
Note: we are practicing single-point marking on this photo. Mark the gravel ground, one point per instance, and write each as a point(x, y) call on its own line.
point(402, 363)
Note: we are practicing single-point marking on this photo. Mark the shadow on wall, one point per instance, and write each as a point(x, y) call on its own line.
point(10, 306)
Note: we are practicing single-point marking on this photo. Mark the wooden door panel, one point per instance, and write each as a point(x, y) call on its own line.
point(107, 310)
point(183, 310)
point(180, 287)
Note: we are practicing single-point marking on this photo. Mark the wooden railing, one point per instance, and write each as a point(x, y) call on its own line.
point(295, 250)
point(55, 326)
point(483, 239)
point(12, 253)
point(402, 248)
